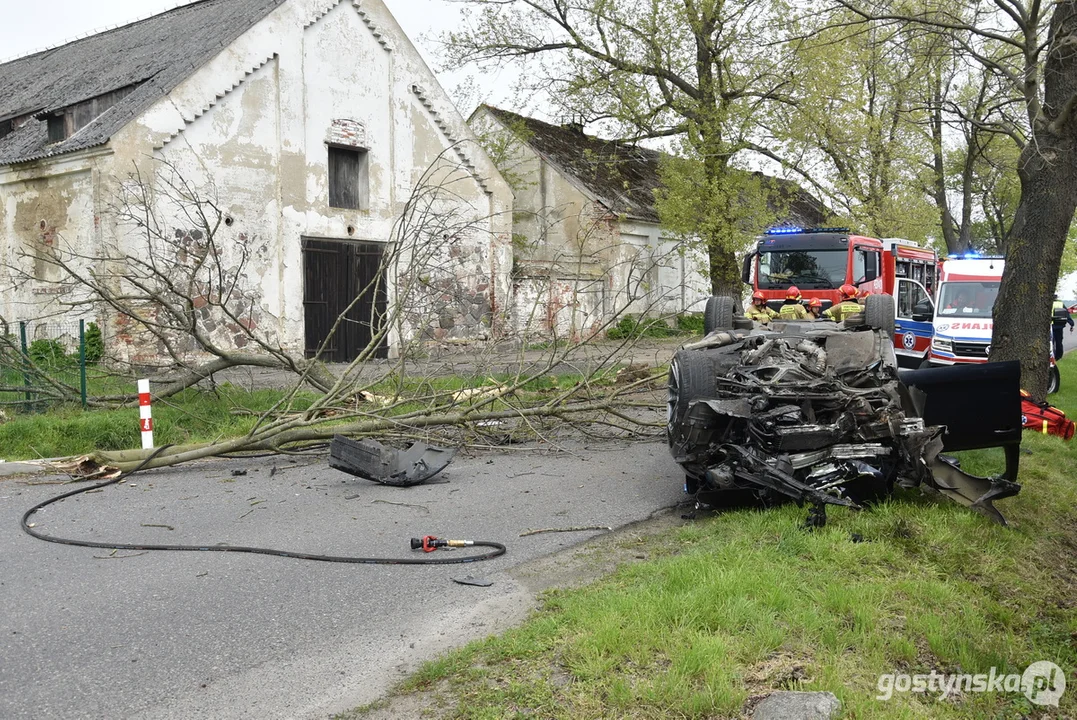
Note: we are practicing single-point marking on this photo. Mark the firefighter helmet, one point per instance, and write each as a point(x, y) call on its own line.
point(847, 291)
point(793, 293)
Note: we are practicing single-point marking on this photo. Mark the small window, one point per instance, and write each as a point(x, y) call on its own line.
point(57, 129)
point(6, 127)
point(349, 182)
point(910, 294)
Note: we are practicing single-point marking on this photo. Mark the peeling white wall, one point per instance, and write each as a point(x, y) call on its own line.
point(250, 128)
point(578, 267)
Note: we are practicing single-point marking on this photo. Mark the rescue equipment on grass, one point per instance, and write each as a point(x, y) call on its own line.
point(1045, 418)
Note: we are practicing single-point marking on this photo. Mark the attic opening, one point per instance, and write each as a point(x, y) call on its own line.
point(65, 122)
point(349, 178)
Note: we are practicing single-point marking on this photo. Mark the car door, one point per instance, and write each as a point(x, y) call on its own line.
point(912, 338)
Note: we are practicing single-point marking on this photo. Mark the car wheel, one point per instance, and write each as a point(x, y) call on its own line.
point(1054, 380)
point(742, 323)
point(879, 312)
point(691, 376)
point(718, 314)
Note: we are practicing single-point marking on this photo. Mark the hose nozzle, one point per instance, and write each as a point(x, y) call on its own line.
point(430, 543)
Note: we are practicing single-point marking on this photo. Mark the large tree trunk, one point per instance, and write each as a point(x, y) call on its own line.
point(725, 272)
point(1048, 172)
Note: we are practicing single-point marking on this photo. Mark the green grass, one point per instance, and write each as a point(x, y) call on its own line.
point(748, 602)
point(192, 416)
point(196, 416)
point(634, 326)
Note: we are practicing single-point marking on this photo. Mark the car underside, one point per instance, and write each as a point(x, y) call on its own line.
point(818, 412)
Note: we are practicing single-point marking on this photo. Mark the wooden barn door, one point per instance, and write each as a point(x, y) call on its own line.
point(335, 272)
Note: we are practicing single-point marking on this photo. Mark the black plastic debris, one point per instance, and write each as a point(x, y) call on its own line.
point(371, 460)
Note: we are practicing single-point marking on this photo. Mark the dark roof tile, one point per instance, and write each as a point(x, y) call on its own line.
point(156, 54)
point(623, 176)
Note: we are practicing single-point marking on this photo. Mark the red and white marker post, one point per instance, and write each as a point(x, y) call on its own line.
point(145, 418)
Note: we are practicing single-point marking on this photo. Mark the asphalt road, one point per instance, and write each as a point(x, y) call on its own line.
point(91, 633)
point(1069, 340)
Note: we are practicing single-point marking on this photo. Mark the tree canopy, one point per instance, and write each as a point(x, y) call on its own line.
point(939, 121)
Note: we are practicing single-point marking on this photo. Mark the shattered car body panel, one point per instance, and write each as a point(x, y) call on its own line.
point(371, 460)
point(818, 413)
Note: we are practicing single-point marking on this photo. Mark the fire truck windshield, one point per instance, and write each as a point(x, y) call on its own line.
point(803, 268)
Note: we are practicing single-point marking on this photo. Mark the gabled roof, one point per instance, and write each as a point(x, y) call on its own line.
point(154, 55)
point(622, 176)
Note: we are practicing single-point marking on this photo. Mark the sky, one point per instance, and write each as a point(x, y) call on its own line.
point(28, 27)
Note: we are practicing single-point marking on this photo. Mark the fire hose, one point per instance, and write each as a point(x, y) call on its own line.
point(427, 544)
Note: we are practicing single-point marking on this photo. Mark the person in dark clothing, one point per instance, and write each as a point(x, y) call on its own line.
point(1060, 317)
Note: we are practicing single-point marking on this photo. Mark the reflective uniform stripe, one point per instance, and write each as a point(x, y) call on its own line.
point(793, 311)
point(842, 310)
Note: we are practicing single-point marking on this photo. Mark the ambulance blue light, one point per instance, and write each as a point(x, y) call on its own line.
point(787, 230)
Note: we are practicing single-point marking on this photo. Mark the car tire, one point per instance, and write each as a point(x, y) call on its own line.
point(691, 376)
point(879, 312)
point(1054, 380)
point(718, 314)
point(854, 321)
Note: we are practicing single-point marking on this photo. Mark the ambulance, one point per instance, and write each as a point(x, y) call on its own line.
point(964, 300)
point(961, 317)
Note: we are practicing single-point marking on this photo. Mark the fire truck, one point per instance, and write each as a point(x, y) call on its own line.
point(820, 260)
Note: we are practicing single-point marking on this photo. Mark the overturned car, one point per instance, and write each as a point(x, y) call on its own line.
point(818, 412)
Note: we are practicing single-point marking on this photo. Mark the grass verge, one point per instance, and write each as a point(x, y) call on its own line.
point(191, 416)
point(747, 602)
point(195, 415)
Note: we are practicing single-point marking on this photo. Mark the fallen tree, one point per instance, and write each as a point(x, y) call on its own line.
point(173, 285)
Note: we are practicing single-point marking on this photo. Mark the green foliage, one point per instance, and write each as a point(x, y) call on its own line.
point(722, 210)
point(691, 323)
point(635, 326)
point(95, 344)
point(504, 141)
point(653, 69)
point(46, 353)
point(1069, 252)
point(858, 132)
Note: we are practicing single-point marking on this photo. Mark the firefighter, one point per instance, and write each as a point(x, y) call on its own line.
point(1060, 317)
point(815, 308)
point(758, 310)
point(848, 305)
point(792, 309)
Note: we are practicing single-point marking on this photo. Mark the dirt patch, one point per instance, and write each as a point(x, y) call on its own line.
point(595, 558)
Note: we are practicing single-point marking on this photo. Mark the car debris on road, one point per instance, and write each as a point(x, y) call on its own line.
point(371, 460)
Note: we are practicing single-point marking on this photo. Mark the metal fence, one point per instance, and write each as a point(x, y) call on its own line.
point(45, 363)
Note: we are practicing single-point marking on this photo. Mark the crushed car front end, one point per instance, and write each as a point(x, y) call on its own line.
point(819, 413)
